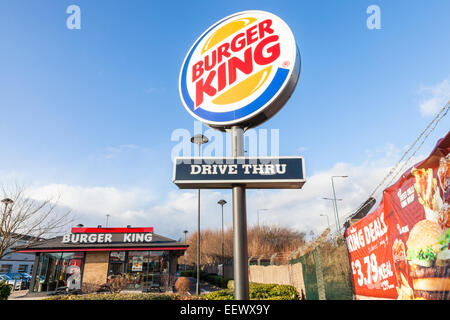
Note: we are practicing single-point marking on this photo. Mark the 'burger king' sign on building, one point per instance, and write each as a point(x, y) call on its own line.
point(240, 71)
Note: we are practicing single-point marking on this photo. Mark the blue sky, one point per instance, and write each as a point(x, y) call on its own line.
point(93, 110)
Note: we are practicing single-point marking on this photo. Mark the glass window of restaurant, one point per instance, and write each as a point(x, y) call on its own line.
point(139, 270)
point(58, 270)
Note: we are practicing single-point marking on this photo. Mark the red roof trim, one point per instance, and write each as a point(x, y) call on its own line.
point(104, 249)
point(111, 230)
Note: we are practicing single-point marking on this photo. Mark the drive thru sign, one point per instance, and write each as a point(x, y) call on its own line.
point(255, 173)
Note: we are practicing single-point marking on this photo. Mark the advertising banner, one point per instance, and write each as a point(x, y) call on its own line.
point(401, 250)
point(138, 262)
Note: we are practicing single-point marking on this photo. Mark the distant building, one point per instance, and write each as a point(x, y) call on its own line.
point(17, 261)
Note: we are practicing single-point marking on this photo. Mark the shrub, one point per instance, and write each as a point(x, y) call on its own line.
point(193, 274)
point(183, 285)
point(188, 273)
point(257, 291)
point(216, 280)
point(5, 290)
point(225, 294)
point(211, 278)
point(273, 291)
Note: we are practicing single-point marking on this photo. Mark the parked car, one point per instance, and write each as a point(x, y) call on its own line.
point(24, 277)
point(19, 278)
point(13, 283)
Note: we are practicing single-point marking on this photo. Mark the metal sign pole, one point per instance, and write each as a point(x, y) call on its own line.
point(197, 284)
point(240, 247)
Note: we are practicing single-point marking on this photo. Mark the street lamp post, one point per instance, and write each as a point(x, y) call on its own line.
point(198, 139)
point(7, 201)
point(185, 252)
point(335, 203)
point(334, 211)
point(107, 219)
point(257, 213)
point(222, 203)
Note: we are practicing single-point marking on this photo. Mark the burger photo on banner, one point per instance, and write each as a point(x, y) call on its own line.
point(428, 251)
point(422, 262)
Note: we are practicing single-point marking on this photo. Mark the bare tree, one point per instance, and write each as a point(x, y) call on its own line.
point(23, 219)
point(262, 241)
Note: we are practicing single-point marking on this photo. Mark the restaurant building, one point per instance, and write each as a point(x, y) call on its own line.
point(88, 258)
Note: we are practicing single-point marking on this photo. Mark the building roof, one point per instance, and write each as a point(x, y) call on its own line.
point(56, 245)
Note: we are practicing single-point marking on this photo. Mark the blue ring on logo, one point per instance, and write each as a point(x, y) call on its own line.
point(272, 89)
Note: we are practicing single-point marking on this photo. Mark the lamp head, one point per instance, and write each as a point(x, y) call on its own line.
point(199, 139)
point(7, 201)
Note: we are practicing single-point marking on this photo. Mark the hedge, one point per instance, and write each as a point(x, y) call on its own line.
point(125, 296)
point(216, 280)
point(257, 291)
point(190, 273)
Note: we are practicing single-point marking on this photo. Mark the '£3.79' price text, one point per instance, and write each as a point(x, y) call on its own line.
point(371, 272)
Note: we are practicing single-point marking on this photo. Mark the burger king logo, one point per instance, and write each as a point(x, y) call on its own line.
point(240, 71)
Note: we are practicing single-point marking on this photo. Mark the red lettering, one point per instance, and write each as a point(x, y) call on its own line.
point(264, 27)
point(197, 70)
point(274, 51)
point(209, 65)
point(206, 87)
point(223, 51)
point(221, 76)
point(251, 32)
point(245, 66)
point(238, 42)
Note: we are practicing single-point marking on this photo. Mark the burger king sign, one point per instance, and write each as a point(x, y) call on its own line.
point(240, 71)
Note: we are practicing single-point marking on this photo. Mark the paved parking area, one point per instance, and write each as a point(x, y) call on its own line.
point(21, 295)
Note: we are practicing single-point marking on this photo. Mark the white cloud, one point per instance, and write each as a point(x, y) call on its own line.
point(301, 209)
point(177, 211)
point(92, 204)
point(434, 97)
point(113, 152)
point(92, 199)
